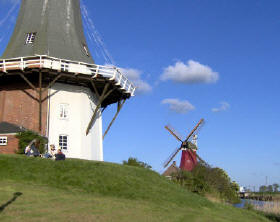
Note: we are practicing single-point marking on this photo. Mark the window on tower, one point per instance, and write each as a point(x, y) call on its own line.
point(30, 38)
point(63, 142)
point(3, 141)
point(63, 111)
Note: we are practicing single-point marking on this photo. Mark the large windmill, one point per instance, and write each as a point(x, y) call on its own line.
point(50, 84)
point(189, 156)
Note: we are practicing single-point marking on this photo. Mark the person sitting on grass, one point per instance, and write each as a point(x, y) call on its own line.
point(27, 151)
point(35, 148)
point(59, 155)
point(51, 153)
point(31, 149)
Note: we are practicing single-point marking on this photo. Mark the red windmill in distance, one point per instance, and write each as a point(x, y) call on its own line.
point(189, 156)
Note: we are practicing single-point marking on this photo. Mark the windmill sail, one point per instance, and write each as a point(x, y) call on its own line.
point(174, 133)
point(195, 129)
point(171, 157)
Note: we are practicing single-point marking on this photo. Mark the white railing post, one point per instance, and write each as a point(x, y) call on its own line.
point(124, 85)
point(96, 71)
point(4, 65)
point(114, 75)
point(120, 79)
point(132, 93)
point(21, 64)
point(60, 65)
point(128, 90)
point(41, 62)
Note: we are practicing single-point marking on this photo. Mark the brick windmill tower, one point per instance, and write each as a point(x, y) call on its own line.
point(50, 84)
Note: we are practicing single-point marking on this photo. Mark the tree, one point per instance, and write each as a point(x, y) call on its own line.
point(263, 189)
point(134, 162)
point(26, 137)
point(235, 186)
point(270, 188)
point(275, 187)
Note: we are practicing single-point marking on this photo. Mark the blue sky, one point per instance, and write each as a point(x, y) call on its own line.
point(214, 59)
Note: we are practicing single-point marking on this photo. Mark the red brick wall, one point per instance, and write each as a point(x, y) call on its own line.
point(11, 147)
point(18, 105)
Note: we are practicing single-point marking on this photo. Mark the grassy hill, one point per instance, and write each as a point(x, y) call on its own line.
point(78, 190)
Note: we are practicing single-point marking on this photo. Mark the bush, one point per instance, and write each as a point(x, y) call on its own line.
point(270, 216)
point(248, 206)
point(134, 162)
point(204, 179)
point(26, 137)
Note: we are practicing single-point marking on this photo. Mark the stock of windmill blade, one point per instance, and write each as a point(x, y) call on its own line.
point(196, 129)
point(173, 132)
point(171, 157)
point(199, 128)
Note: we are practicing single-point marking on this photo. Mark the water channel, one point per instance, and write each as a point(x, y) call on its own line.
point(257, 203)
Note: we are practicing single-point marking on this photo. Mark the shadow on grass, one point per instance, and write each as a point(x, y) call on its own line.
point(16, 195)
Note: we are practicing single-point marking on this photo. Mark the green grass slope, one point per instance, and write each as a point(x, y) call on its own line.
point(77, 190)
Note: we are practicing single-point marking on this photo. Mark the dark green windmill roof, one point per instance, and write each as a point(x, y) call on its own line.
point(58, 27)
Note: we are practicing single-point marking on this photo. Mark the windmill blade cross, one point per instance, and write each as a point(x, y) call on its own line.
point(173, 133)
point(171, 157)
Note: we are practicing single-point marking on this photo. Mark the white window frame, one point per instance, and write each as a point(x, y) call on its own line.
point(30, 38)
point(63, 111)
point(3, 140)
point(62, 142)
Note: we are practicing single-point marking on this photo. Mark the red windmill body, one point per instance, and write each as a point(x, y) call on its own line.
point(189, 155)
point(188, 160)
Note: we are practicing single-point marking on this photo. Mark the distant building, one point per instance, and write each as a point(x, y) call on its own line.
point(8, 140)
point(242, 189)
point(172, 169)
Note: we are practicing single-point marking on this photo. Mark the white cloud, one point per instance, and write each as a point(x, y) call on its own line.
point(224, 106)
point(191, 72)
point(134, 75)
point(178, 106)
